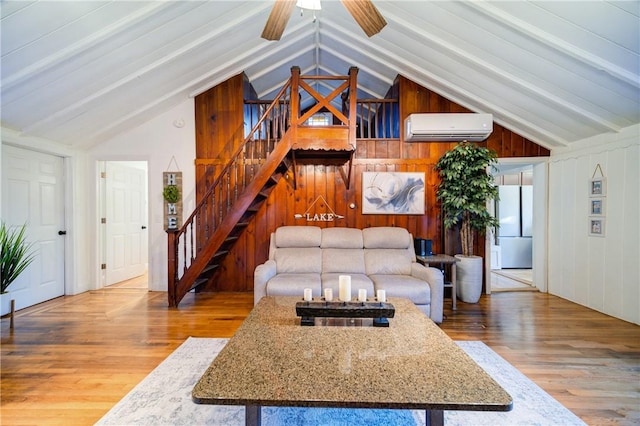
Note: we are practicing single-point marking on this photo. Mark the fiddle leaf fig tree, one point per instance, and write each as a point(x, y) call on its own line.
point(464, 189)
point(16, 254)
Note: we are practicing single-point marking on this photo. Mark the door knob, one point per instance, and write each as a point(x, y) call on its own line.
point(62, 232)
point(144, 227)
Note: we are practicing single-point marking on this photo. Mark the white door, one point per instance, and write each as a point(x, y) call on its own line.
point(33, 193)
point(126, 216)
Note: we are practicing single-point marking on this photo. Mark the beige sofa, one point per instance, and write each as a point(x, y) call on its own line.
point(376, 258)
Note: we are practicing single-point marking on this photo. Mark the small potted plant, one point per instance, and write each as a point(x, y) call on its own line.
point(15, 257)
point(464, 190)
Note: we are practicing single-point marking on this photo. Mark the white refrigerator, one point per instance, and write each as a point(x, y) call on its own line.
point(514, 236)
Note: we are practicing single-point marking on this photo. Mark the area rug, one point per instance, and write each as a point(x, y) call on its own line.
point(164, 398)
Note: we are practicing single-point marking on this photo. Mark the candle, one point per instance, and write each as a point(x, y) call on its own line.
point(307, 295)
point(382, 296)
point(328, 294)
point(362, 295)
point(344, 284)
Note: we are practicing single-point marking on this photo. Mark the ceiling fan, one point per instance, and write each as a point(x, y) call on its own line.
point(363, 11)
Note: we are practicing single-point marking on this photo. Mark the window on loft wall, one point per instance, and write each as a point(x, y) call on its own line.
point(320, 119)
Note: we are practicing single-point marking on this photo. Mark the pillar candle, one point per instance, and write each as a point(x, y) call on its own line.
point(381, 295)
point(362, 295)
point(328, 294)
point(344, 284)
point(308, 296)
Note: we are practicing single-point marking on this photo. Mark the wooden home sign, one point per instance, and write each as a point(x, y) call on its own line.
point(172, 195)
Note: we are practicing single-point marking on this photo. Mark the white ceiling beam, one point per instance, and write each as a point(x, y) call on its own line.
point(330, 71)
point(365, 69)
point(172, 56)
point(503, 18)
point(219, 74)
point(83, 44)
point(276, 65)
point(456, 94)
point(522, 85)
point(351, 41)
point(418, 75)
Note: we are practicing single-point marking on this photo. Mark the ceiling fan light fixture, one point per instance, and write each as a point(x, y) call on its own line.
point(309, 4)
point(312, 5)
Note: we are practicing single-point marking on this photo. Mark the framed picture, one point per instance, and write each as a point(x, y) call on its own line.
point(596, 206)
point(392, 193)
point(596, 227)
point(598, 187)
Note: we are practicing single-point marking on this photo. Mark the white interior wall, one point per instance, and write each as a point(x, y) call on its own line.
point(171, 134)
point(540, 223)
point(602, 273)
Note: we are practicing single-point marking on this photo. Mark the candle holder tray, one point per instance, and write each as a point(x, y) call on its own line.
point(379, 311)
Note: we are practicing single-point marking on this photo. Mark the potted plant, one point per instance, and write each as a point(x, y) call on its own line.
point(464, 190)
point(15, 257)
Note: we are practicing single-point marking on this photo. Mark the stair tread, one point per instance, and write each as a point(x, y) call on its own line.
point(209, 267)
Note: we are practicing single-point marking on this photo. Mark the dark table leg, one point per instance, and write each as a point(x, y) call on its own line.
point(435, 418)
point(253, 415)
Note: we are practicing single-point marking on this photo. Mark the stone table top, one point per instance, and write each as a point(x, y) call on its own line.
point(274, 361)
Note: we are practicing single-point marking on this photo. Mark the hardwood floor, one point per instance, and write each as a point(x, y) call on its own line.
point(68, 361)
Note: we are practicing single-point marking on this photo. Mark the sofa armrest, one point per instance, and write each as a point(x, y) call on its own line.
point(435, 279)
point(262, 274)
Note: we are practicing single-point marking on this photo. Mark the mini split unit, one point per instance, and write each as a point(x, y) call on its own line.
point(452, 127)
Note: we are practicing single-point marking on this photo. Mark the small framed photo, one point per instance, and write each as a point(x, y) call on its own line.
point(596, 206)
point(596, 227)
point(598, 187)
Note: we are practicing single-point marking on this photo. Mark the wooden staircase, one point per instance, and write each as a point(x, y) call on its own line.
point(196, 249)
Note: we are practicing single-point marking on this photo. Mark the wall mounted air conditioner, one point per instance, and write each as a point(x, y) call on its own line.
point(431, 127)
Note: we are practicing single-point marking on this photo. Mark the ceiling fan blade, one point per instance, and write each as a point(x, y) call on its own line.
point(366, 15)
point(278, 19)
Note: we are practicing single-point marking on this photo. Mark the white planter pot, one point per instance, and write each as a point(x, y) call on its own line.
point(5, 303)
point(469, 278)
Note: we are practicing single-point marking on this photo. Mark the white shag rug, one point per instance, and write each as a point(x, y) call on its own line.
point(164, 398)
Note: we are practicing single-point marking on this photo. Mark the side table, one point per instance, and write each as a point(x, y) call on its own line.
point(443, 259)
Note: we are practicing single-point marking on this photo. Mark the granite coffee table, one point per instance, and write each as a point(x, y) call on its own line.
point(274, 361)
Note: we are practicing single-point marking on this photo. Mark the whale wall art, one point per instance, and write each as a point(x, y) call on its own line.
point(392, 193)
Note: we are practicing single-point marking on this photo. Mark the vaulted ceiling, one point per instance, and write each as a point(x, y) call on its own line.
point(556, 72)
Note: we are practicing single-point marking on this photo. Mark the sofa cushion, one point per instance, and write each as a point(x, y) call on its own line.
point(343, 260)
point(298, 236)
point(387, 261)
point(386, 237)
point(298, 260)
point(294, 285)
point(405, 286)
point(346, 238)
point(358, 281)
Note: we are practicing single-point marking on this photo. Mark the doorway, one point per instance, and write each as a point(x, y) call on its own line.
point(525, 176)
point(123, 207)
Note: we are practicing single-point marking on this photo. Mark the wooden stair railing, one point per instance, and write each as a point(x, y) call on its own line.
point(196, 249)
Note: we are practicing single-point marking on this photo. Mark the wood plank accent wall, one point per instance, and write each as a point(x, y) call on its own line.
point(321, 188)
point(219, 117)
